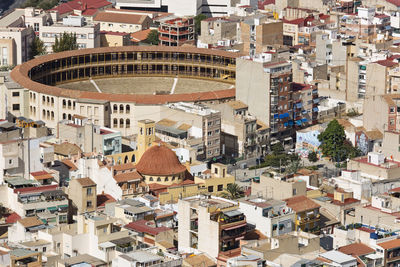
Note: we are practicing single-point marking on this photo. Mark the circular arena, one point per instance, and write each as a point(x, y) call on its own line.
point(117, 86)
point(140, 74)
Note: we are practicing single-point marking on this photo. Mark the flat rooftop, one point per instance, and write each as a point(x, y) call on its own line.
point(12, 17)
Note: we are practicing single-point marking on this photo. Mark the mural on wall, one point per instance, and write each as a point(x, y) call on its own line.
point(362, 142)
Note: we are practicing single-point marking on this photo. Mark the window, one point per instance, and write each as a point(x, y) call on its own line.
point(210, 189)
point(128, 109)
point(391, 122)
point(127, 123)
point(89, 191)
point(209, 133)
point(36, 29)
point(166, 179)
point(392, 109)
point(220, 187)
point(10, 161)
point(115, 123)
point(158, 179)
point(89, 204)
point(15, 94)
point(294, 191)
point(121, 108)
point(15, 106)
point(151, 179)
point(121, 123)
point(4, 56)
point(115, 108)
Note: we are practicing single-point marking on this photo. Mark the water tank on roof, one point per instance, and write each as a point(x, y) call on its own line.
point(77, 21)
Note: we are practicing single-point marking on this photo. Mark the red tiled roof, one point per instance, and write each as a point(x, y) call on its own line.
point(358, 249)
point(394, 2)
point(69, 164)
point(140, 35)
point(12, 218)
point(37, 189)
point(386, 63)
point(159, 160)
point(124, 167)
point(41, 175)
point(82, 5)
point(263, 3)
point(301, 203)
point(390, 244)
point(144, 226)
point(395, 190)
point(127, 176)
point(114, 33)
point(103, 199)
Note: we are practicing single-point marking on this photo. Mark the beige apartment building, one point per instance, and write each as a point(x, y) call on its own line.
point(278, 186)
point(82, 193)
point(218, 30)
point(15, 40)
point(258, 32)
point(14, 98)
point(125, 21)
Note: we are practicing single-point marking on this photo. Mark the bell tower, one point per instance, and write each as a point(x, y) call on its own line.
point(146, 137)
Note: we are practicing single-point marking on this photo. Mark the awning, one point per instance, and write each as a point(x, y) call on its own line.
point(304, 111)
point(387, 27)
point(304, 120)
point(298, 122)
point(284, 115)
point(276, 116)
point(235, 227)
point(290, 123)
point(316, 100)
point(298, 105)
point(285, 124)
point(315, 109)
point(62, 206)
point(52, 208)
point(233, 213)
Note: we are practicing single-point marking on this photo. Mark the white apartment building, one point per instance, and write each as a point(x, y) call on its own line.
point(271, 217)
point(87, 34)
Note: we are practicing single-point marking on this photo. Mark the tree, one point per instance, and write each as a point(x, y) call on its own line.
point(42, 4)
point(197, 23)
point(277, 149)
point(66, 42)
point(293, 166)
point(332, 141)
point(153, 37)
point(233, 191)
point(313, 157)
point(37, 48)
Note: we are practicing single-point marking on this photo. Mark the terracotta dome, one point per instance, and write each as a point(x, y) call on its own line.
point(159, 160)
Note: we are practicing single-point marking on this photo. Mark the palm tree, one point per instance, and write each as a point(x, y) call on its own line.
point(233, 191)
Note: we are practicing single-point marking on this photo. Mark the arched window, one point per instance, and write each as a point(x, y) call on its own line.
point(34, 110)
point(44, 99)
point(48, 114)
point(115, 123)
point(121, 108)
point(52, 101)
point(173, 178)
point(69, 103)
point(64, 103)
point(69, 117)
point(166, 179)
point(128, 123)
point(52, 115)
point(133, 158)
point(121, 123)
point(128, 109)
point(126, 159)
point(44, 113)
point(48, 99)
point(64, 116)
point(158, 179)
point(151, 179)
point(115, 108)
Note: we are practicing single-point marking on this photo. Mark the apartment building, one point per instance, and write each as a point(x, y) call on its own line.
point(210, 224)
point(82, 193)
point(307, 213)
point(90, 137)
point(123, 21)
point(205, 124)
point(16, 39)
point(278, 186)
point(271, 217)
point(218, 31)
point(176, 32)
point(87, 34)
point(238, 123)
point(269, 77)
point(258, 31)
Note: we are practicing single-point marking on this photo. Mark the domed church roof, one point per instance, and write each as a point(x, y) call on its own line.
point(159, 160)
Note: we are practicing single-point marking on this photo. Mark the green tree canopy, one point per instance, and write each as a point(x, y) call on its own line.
point(197, 23)
point(334, 143)
point(153, 37)
point(66, 42)
point(37, 48)
point(313, 157)
point(233, 191)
